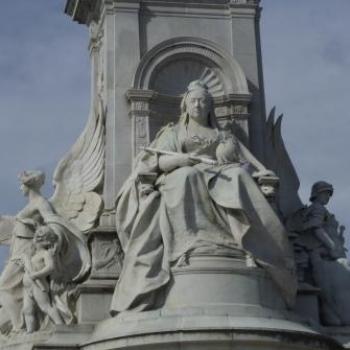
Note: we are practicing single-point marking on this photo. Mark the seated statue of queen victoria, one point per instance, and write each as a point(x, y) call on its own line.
point(194, 190)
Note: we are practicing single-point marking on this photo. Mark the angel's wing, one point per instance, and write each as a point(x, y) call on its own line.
point(7, 224)
point(79, 175)
point(279, 161)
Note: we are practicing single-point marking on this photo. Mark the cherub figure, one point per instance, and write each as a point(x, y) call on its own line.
point(38, 280)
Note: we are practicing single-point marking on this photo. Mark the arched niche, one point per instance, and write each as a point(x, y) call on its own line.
point(164, 74)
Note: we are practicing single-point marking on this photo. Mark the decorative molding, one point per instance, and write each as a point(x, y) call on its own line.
point(164, 74)
point(140, 114)
point(201, 50)
point(85, 11)
point(141, 95)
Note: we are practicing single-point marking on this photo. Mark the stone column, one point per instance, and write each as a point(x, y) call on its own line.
point(140, 113)
point(131, 29)
point(246, 48)
point(123, 55)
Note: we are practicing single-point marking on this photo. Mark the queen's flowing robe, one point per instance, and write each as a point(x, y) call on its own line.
point(193, 207)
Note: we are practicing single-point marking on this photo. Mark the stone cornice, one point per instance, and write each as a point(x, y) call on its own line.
point(85, 11)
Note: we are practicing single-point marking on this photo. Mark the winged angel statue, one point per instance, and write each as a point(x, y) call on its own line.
point(48, 251)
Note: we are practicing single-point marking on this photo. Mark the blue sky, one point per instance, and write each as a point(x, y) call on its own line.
point(44, 89)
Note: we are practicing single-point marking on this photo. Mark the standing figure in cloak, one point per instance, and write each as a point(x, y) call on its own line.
point(20, 231)
point(72, 211)
point(23, 228)
point(194, 190)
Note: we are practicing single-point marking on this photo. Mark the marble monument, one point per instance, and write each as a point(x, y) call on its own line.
point(175, 220)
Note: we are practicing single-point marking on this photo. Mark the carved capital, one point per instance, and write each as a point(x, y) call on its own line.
point(140, 95)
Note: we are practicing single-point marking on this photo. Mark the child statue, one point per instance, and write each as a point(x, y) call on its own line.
point(39, 292)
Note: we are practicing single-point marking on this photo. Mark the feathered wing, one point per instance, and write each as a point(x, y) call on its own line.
point(80, 173)
point(279, 161)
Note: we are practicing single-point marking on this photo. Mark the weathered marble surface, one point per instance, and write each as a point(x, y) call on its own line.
point(192, 207)
point(226, 285)
point(49, 254)
point(321, 255)
point(151, 50)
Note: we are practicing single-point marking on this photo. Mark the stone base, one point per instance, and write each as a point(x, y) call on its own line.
point(94, 301)
point(341, 334)
point(189, 329)
point(222, 281)
point(307, 304)
point(204, 329)
point(58, 338)
point(213, 303)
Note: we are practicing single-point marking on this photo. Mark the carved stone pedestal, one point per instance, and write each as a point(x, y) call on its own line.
point(57, 338)
point(94, 301)
point(213, 303)
point(94, 296)
point(307, 303)
point(224, 283)
point(342, 334)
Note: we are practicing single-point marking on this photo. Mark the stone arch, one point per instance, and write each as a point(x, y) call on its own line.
point(163, 75)
point(207, 60)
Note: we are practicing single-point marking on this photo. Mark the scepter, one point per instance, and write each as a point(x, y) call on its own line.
point(170, 153)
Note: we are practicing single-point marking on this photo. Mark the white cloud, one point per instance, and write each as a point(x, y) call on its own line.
point(307, 69)
point(44, 91)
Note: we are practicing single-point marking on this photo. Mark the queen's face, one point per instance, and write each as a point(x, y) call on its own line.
point(198, 106)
